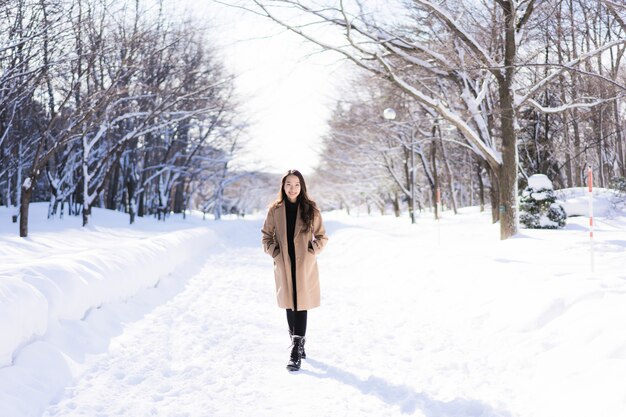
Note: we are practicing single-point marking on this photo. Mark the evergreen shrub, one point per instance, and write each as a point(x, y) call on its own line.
point(538, 206)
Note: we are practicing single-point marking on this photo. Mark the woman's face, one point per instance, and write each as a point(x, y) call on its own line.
point(292, 187)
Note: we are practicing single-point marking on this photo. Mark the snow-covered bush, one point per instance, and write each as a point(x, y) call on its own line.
point(538, 206)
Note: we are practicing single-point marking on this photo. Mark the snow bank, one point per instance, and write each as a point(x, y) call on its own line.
point(23, 313)
point(37, 289)
point(575, 201)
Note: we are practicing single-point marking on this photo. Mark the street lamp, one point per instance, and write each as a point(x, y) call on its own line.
point(389, 113)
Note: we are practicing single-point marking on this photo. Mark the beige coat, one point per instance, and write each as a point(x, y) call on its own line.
point(307, 275)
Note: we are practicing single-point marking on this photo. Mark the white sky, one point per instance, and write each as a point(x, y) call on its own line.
point(286, 91)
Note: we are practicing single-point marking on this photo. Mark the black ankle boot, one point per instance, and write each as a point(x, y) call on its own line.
point(303, 353)
point(296, 353)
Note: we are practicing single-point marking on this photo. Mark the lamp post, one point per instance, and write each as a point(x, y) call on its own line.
point(390, 114)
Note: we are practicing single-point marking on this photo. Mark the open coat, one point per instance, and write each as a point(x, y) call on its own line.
point(307, 245)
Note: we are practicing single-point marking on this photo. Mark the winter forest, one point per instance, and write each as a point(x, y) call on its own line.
point(487, 93)
point(111, 104)
point(469, 163)
point(122, 105)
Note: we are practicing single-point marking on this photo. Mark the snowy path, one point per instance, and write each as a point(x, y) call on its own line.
point(406, 328)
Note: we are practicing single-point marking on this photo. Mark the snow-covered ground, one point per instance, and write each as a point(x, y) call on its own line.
point(437, 319)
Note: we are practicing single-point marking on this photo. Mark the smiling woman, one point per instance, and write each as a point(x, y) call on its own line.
point(294, 223)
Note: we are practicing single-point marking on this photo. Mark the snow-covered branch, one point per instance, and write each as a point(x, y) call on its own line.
point(569, 106)
point(479, 52)
point(544, 83)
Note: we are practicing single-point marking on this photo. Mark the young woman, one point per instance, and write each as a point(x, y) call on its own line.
point(293, 234)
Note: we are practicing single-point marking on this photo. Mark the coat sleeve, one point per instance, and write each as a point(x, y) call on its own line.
point(270, 244)
point(319, 238)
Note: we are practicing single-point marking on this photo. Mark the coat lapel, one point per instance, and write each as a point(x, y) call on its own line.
point(281, 222)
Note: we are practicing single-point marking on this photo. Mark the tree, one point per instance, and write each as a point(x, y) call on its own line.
point(111, 101)
point(389, 162)
point(480, 61)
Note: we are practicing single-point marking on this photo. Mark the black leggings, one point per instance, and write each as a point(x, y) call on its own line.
point(297, 322)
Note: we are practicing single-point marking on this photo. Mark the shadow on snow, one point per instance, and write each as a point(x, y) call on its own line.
point(403, 396)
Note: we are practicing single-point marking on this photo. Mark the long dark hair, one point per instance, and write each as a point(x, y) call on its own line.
point(306, 206)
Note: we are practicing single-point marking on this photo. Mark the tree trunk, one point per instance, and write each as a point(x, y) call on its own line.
point(494, 194)
point(24, 203)
point(217, 208)
point(435, 187)
point(565, 116)
point(112, 191)
point(578, 182)
point(86, 181)
point(131, 187)
point(179, 197)
point(408, 175)
point(481, 186)
point(86, 214)
point(600, 148)
point(507, 180)
point(141, 207)
point(396, 204)
point(18, 188)
point(620, 145)
point(568, 155)
point(507, 175)
point(141, 203)
point(449, 174)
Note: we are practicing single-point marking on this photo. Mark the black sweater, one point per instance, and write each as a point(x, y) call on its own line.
point(291, 210)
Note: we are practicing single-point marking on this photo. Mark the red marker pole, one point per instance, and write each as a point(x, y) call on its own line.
point(590, 190)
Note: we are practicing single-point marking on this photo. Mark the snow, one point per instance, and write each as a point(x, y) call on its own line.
point(538, 182)
point(544, 220)
point(575, 201)
point(539, 196)
point(441, 318)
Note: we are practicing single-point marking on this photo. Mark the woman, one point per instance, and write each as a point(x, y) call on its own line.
point(293, 234)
